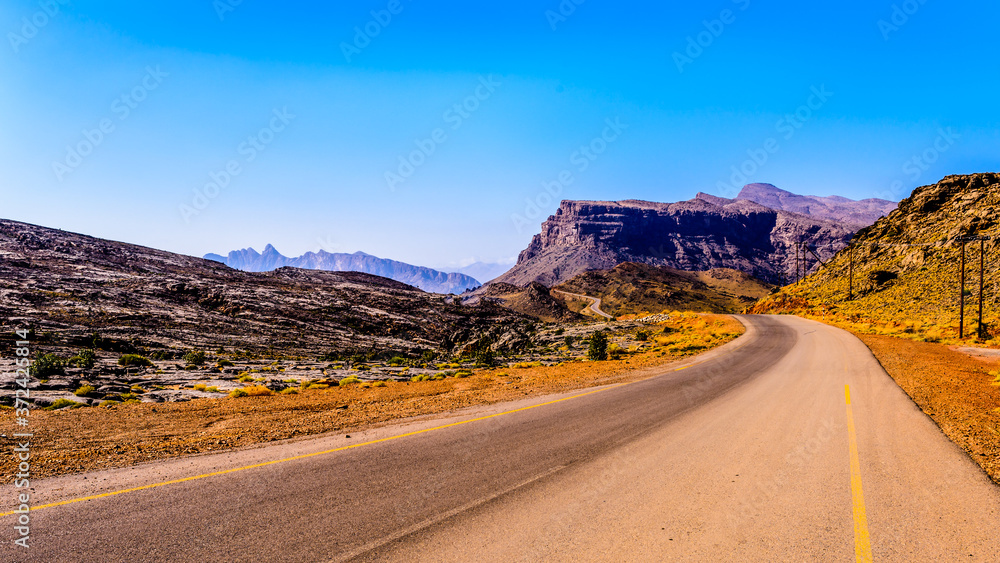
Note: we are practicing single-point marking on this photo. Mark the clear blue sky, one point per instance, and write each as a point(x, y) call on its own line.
point(199, 80)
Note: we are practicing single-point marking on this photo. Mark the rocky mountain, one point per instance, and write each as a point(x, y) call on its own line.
point(632, 288)
point(834, 208)
point(701, 234)
point(249, 260)
point(906, 269)
point(482, 271)
point(69, 287)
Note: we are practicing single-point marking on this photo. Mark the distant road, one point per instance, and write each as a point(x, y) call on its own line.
point(595, 304)
point(753, 453)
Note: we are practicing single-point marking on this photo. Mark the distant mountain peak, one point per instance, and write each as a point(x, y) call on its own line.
point(249, 260)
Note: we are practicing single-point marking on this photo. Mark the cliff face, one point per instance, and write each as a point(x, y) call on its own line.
point(249, 260)
point(691, 235)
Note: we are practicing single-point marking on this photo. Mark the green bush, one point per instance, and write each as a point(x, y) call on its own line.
point(379, 384)
point(642, 335)
point(195, 358)
point(134, 360)
point(85, 359)
point(598, 350)
point(61, 404)
point(290, 391)
point(397, 361)
point(46, 365)
point(237, 393)
point(570, 341)
point(224, 363)
point(84, 390)
point(348, 380)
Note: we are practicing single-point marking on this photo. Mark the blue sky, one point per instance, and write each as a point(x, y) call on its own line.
point(312, 120)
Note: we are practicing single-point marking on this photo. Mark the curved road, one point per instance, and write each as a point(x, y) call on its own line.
point(753, 453)
point(595, 305)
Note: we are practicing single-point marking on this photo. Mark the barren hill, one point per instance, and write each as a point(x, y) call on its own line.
point(834, 208)
point(641, 288)
point(67, 287)
point(907, 266)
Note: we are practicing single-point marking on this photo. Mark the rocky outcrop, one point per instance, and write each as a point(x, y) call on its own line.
point(249, 260)
point(693, 235)
point(833, 208)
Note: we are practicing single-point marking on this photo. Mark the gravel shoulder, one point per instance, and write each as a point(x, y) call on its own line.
point(953, 388)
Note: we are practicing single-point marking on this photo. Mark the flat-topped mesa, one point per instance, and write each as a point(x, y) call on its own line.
point(700, 234)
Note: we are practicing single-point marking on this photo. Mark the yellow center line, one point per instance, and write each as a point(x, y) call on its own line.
point(862, 541)
point(340, 449)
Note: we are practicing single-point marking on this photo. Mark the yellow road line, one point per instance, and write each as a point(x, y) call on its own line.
point(325, 452)
point(862, 541)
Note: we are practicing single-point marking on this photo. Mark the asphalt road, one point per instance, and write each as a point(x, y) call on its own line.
point(595, 303)
point(753, 454)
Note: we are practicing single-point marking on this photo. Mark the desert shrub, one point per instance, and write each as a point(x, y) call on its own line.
point(195, 358)
point(348, 380)
point(212, 389)
point(237, 393)
point(224, 363)
point(559, 331)
point(257, 391)
point(397, 361)
point(134, 360)
point(642, 335)
point(199, 387)
point(615, 352)
point(429, 355)
point(485, 357)
point(421, 377)
point(46, 365)
point(318, 386)
point(61, 404)
point(84, 390)
point(379, 384)
point(245, 378)
point(290, 391)
point(109, 403)
point(598, 349)
point(570, 341)
point(85, 359)
point(463, 374)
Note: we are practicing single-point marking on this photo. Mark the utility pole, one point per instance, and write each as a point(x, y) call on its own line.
point(850, 274)
point(982, 263)
point(961, 295)
point(961, 302)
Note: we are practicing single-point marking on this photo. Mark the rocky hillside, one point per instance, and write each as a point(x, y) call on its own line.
point(833, 208)
point(249, 260)
point(69, 287)
point(692, 235)
point(906, 266)
point(632, 288)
